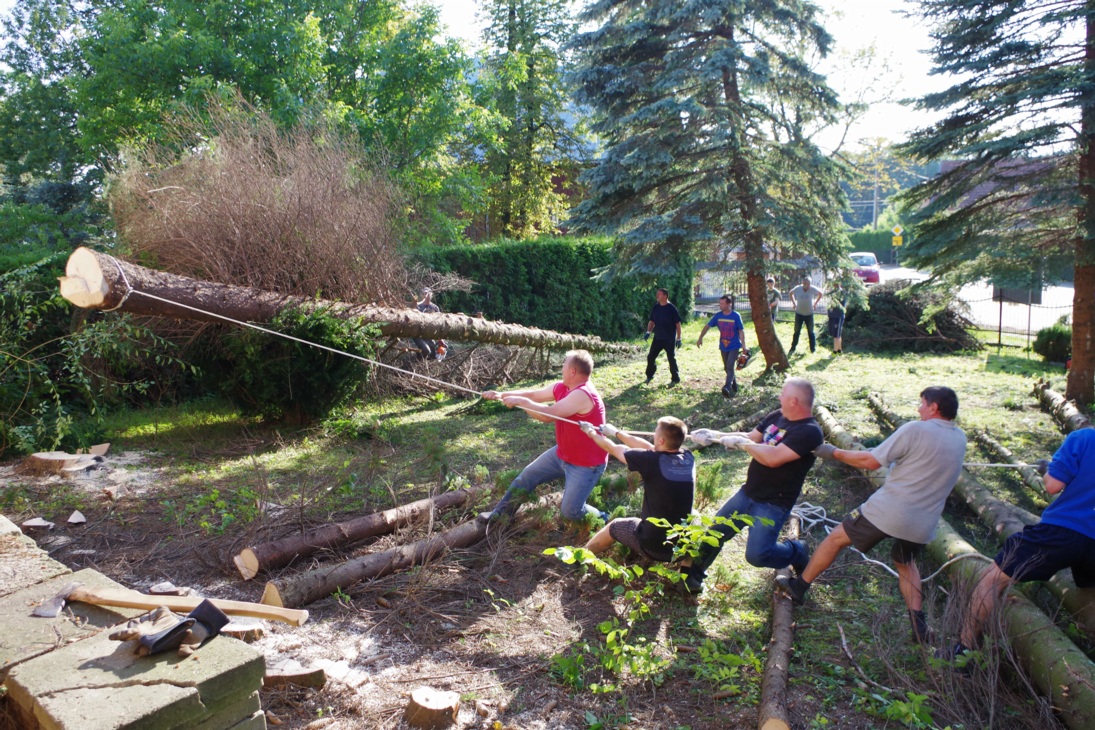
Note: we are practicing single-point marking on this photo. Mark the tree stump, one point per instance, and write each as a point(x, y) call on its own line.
point(429, 708)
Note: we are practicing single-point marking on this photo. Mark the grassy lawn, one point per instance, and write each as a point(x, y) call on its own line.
point(529, 628)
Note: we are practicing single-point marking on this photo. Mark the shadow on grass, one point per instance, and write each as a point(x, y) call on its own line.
point(1016, 365)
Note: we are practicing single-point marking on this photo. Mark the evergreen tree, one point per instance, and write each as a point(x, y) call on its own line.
point(523, 80)
point(1021, 125)
point(703, 107)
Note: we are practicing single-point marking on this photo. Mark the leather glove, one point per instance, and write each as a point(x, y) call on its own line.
point(607, 429)
point(734, 442)
point(208, 622)
point(702, 437)
point(678, 344)
point(825, 451)
point(587, 428)
point(646, 335)
point(1042, 466)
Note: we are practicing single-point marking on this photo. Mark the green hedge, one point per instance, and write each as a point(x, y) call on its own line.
point(547, 283)
point(878, 242)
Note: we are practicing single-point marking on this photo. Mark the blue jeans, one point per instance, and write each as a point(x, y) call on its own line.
point(762, 548)
point(578, 485)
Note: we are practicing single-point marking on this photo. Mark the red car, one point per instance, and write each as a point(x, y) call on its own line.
point(866, 266)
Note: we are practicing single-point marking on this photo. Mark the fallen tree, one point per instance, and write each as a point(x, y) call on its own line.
point(1005, 520)
point(773, 687)
point(95, 280)
point(1063, 410)
point(282, 552)
point(1058, 668)
point(1030, 475)
point(305, 588)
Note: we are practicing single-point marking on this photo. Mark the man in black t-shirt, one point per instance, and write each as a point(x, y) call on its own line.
point(781, 446)
point(669, 480)
point(665, 325)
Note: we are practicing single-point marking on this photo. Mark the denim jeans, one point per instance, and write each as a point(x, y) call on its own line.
point(762, 548)
point(808, 320)
point(578, 485)
point(730, 364)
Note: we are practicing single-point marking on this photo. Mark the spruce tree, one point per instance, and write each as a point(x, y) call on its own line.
point(1019, 126)
point(703, 109)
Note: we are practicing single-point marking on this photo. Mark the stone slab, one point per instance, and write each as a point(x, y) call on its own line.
point(7, 527)
point(23, 636)
point(255, 722)
point(230, 715)
point(99, 684)
point(23, 563)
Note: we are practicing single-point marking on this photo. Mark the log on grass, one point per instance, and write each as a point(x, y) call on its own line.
point(1006, 519)
point(838, 437)
point(773, 688)
point(282, 552)
point(95, 280)
point(1063, 410)
point(745, 424)
point(1030, 475)
point(1056, 666)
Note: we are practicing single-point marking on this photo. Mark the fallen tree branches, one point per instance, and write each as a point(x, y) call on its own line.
point(282, 552)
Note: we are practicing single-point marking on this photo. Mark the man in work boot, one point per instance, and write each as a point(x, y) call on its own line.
point(925, 458)
point(731, 340)
point(669, 481)
point(804, 299)
point(574, 458)
point(1064, 538)
point(782, 448)
point(665, 325)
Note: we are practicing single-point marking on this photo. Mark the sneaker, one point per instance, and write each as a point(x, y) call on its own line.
point(734, 388)
point(959, 656)
point(794, 587)
point(690, 586)
point(800, 565)
point(674, 383)
point(649, 379)
point(726, 392)
point(921, 633)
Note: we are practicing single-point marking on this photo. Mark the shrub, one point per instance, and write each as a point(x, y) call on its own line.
point(279, 379)
point(1054, 343)
point(547, 283)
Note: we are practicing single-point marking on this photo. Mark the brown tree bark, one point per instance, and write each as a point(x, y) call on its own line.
point(95, 280)
point(773, 687)
point(282, 552)
point(1081, 377)
point(1060, 407)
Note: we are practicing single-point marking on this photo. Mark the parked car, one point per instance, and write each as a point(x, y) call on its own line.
point(866, 266)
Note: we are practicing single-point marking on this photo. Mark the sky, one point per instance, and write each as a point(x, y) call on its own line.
point(855, 24)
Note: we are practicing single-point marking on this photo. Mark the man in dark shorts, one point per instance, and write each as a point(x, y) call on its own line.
point(665, 325)
point(1065, 537)
point(669, 480)
point(925, 458)
point(781, 446)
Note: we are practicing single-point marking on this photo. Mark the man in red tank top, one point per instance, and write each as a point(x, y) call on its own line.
point(574, 458)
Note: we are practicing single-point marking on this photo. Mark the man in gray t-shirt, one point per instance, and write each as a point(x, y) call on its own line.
point(925, 459)
point(804, 297)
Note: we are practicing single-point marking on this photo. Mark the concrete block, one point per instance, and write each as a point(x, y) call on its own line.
point(7, 527)
point(99, 684)
point(255, 722)
point(23, 563)
point(23, 636)
point(229, 715)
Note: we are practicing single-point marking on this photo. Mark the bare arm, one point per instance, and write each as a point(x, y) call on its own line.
point(770, 456)
point(699, 342)
point(575, 402)
point(678, 330)
point(539, 395)
point(858, 459)
point(1053, 484)
point(613, 448)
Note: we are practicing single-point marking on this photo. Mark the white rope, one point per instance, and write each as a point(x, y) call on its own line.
point(253, 326)
point(125, 280)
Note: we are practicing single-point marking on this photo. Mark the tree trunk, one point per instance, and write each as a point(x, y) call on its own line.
point(1056, 666)
point(773, 688)
point(97, 281)
point(1057, 405)
point(836, 435)
point(1030, 475)
point(282, 552)
point(1081, 377)
point(1005, 520)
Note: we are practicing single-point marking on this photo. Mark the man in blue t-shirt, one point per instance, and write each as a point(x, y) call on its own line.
point(731, 340)
point(1065, 538)
point(665, 325)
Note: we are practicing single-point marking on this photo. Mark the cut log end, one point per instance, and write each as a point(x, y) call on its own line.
point(247, 564)
point(271, 596)
point(430, 708)
point(775, 723)
point(83, 283)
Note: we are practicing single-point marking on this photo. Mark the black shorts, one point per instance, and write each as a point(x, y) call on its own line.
point(864, 536)
point(625, 530)
point(1037, 552)
point(836, 325)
